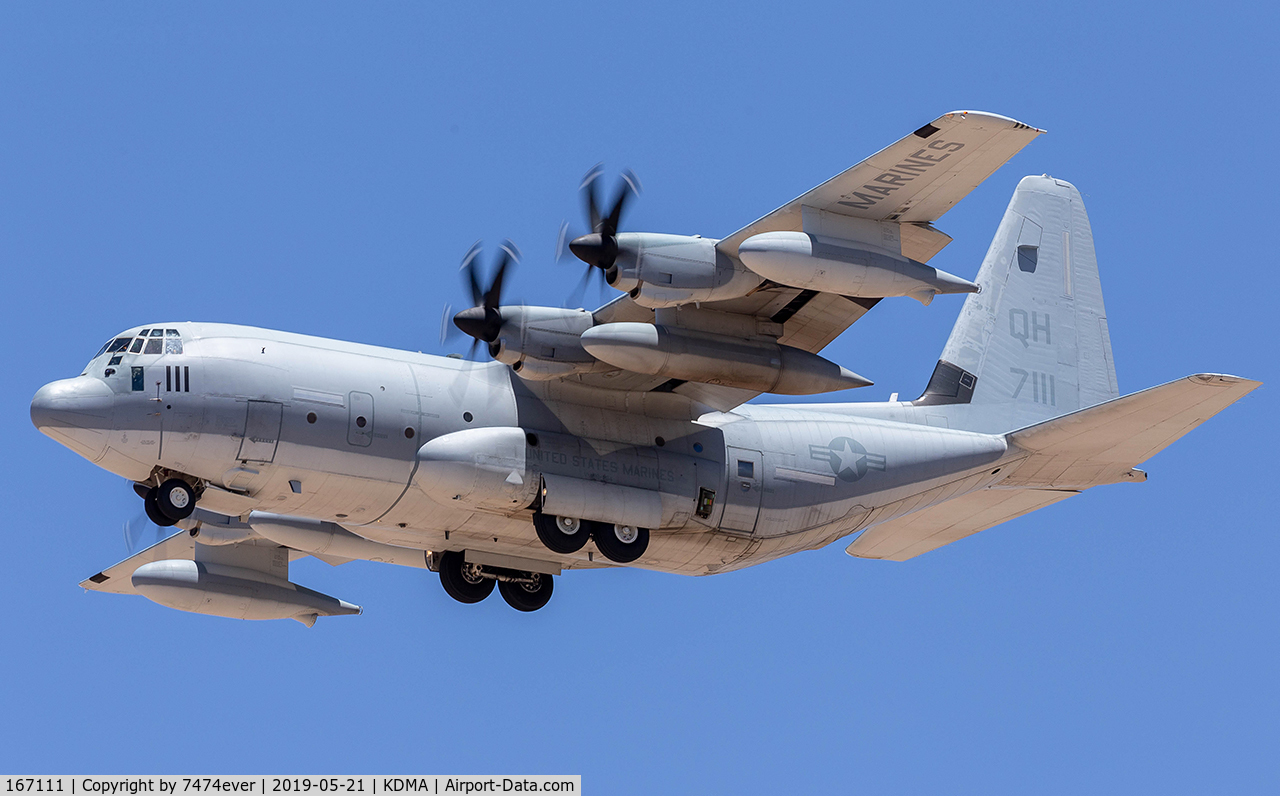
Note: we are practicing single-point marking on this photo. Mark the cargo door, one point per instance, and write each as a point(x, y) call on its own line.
point(261, 431)
point(743, 488)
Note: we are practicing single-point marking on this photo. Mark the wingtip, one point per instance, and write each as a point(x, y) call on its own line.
point(966, 115)
point(1223, 380)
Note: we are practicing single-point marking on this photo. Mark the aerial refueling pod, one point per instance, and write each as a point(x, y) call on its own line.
point(847, 268)
point(760, 365)
point(235, 592)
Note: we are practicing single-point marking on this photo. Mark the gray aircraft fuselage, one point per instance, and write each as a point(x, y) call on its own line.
point(309, 427)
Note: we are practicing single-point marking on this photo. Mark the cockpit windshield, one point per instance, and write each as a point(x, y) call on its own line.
point(147, 341)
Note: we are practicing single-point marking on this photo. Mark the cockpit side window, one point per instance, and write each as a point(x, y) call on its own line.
point(119, 344)
point(154, 345)
point(136, 348)
point(172, 342)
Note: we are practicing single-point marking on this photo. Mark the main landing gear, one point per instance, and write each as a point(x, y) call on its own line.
point(168, 504)
point(470, 583)
point(621, 544)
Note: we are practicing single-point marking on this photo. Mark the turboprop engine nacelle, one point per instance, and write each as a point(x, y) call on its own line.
point(542, 343)
point(208, 588)
point(760, 365)
point(483, 469)
point(831, 265)
point(660, 270)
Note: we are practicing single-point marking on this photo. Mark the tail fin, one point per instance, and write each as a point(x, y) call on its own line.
point(1033, 344)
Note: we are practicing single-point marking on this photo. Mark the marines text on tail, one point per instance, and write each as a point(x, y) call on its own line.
point(622, 437)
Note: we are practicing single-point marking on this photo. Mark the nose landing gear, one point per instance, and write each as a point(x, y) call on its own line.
point(168, 504)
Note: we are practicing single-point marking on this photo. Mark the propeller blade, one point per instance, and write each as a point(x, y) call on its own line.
point(447, 330)
point(469, 277)
point(630, 186)
point(562, 240)
point(575, 298)
point(140, 533)
point(588, 187)
point(493, 297)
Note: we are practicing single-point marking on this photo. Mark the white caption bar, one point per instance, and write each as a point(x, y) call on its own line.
point(273, 785)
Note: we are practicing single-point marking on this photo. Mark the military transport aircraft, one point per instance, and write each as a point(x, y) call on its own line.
point(623, 437)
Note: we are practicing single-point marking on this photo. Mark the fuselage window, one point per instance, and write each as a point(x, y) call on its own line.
point(746, 469)
point(138, 383)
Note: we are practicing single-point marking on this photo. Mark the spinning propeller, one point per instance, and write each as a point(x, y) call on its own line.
point(483, 320)
point(599, 247)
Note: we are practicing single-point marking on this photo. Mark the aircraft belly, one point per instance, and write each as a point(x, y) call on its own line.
point(693, 550)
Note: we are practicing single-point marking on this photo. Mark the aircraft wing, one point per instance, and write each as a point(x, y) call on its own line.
point(913, 181)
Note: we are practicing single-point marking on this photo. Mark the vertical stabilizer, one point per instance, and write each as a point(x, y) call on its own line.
point(1034, 343)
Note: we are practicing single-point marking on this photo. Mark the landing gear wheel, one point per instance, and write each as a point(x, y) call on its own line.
point(527, 596)
point(621, 544)
point(153, 511)
point(561, 534)
point(176, 499)
point(462, 581)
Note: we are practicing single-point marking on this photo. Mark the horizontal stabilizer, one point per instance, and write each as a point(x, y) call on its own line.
point(1101, 444)
point(931, 528)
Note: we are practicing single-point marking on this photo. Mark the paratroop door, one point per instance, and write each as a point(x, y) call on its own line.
point(261, 431)
point(743, 488)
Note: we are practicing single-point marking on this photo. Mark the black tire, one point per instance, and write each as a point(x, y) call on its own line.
point(552, 533)
point(176, 499)
point(527, 597)
point(153, 511)
point(461, 585)
point(614, 548)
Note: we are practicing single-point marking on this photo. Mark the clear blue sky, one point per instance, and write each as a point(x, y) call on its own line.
point(322, 168)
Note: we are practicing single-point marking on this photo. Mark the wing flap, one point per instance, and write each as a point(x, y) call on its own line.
point(930, 528)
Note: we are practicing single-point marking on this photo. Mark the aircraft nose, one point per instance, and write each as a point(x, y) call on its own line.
point(75, 412)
